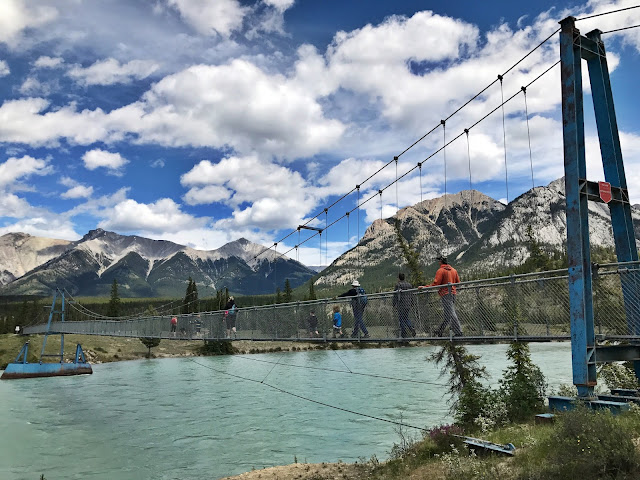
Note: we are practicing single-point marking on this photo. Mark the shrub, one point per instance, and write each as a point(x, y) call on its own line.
point(589, 445)
point(445, 438)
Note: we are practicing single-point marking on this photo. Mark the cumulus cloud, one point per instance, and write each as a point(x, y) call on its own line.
point(236, 105)
point(221, 17)
point(110, 71)
point(34, 87)
point(76, 190)
point(159, 163)
point(19, 168)
point(48, 62)
point(280, 5)
point(163, 215)
point(97, 158)
point(48, 226)
point(18, 15)
point(275, 195)
point(4, 69)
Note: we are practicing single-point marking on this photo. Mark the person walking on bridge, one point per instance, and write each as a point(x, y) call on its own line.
point(446, 276)
point(403, 301)
point(358, 304)
point(230, 311)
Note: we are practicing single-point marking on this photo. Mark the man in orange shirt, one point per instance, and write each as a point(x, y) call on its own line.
point(446, 275)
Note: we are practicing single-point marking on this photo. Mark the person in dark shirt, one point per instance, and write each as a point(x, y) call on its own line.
point(313, 324)
point(358, 304)
point(402, 301)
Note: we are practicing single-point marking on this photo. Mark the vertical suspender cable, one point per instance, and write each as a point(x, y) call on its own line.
point(380, 193)
point(466, 131)
point(526, 112)
point(444, 155)
point(298, 253)
point(420, 168)
point(326, 237)
point(504, 141)
point(348, 233)
point(275, 268)
point(397, 203)
point(320, 248)
point(358, 223)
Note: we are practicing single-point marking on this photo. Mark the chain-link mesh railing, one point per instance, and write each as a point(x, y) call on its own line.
point(527, 307)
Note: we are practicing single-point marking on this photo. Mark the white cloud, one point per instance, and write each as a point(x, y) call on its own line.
point(163, 215)
point(13, 206)
point(110, 72)
point(220, 17)
point(4, 69)
point(97, 158)
point(277, 196)
point(159, 163)
point(79, 191)
point(18, 15)
point(49, 226)
point(280, 5)
point(207, 195)
point(18, 168)
point(48, 62)
point(34, 87)
point(236, 105)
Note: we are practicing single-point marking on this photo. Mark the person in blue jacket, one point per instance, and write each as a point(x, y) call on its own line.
point(337, 322)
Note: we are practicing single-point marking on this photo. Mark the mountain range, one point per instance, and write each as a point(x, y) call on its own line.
point(476, 232)
point(141, 266)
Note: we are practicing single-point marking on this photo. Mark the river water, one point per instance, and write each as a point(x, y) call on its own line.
point(178, 419)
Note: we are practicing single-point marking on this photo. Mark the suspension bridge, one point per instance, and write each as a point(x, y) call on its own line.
point(586, 304)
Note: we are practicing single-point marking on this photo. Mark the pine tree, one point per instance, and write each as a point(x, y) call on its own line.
point(189, 304)
point(468, 396)
point(312, 292)
point(278, 295)
point(113, 310)
point(287, 297)
point(523, 385)
point(416, 276)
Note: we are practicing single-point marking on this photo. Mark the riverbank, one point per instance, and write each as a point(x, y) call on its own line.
point(583, 444)
point(100, 349)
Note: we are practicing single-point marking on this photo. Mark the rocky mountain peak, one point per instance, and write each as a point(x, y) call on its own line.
point(93, 234)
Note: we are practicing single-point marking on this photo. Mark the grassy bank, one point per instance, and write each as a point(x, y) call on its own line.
point(580, 444)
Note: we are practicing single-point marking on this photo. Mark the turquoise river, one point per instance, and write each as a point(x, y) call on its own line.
point(183, 418)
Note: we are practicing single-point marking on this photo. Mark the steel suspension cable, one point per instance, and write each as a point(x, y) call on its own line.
point(607, 13)
point(504, 141)
point(526, 112)
point(444, 156)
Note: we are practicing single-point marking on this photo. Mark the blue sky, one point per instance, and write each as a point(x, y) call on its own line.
point(202, 121)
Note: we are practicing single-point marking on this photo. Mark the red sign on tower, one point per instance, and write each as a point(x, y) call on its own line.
point(605, 191)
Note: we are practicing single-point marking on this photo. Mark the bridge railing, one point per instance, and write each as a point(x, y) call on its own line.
point(530, 306)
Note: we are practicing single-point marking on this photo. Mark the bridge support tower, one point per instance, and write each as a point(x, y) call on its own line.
point(575, 47)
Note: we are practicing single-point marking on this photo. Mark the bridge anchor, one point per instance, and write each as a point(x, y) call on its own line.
point(21, 368)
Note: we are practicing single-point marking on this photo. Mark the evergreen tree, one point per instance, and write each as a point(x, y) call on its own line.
point(468, 396)
point(312, 292)
point(113, 310)
point(522, 386)
point(278, 295)
point(287, 297)
point(150, 343)
point(416, 277)
point(190, 302)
